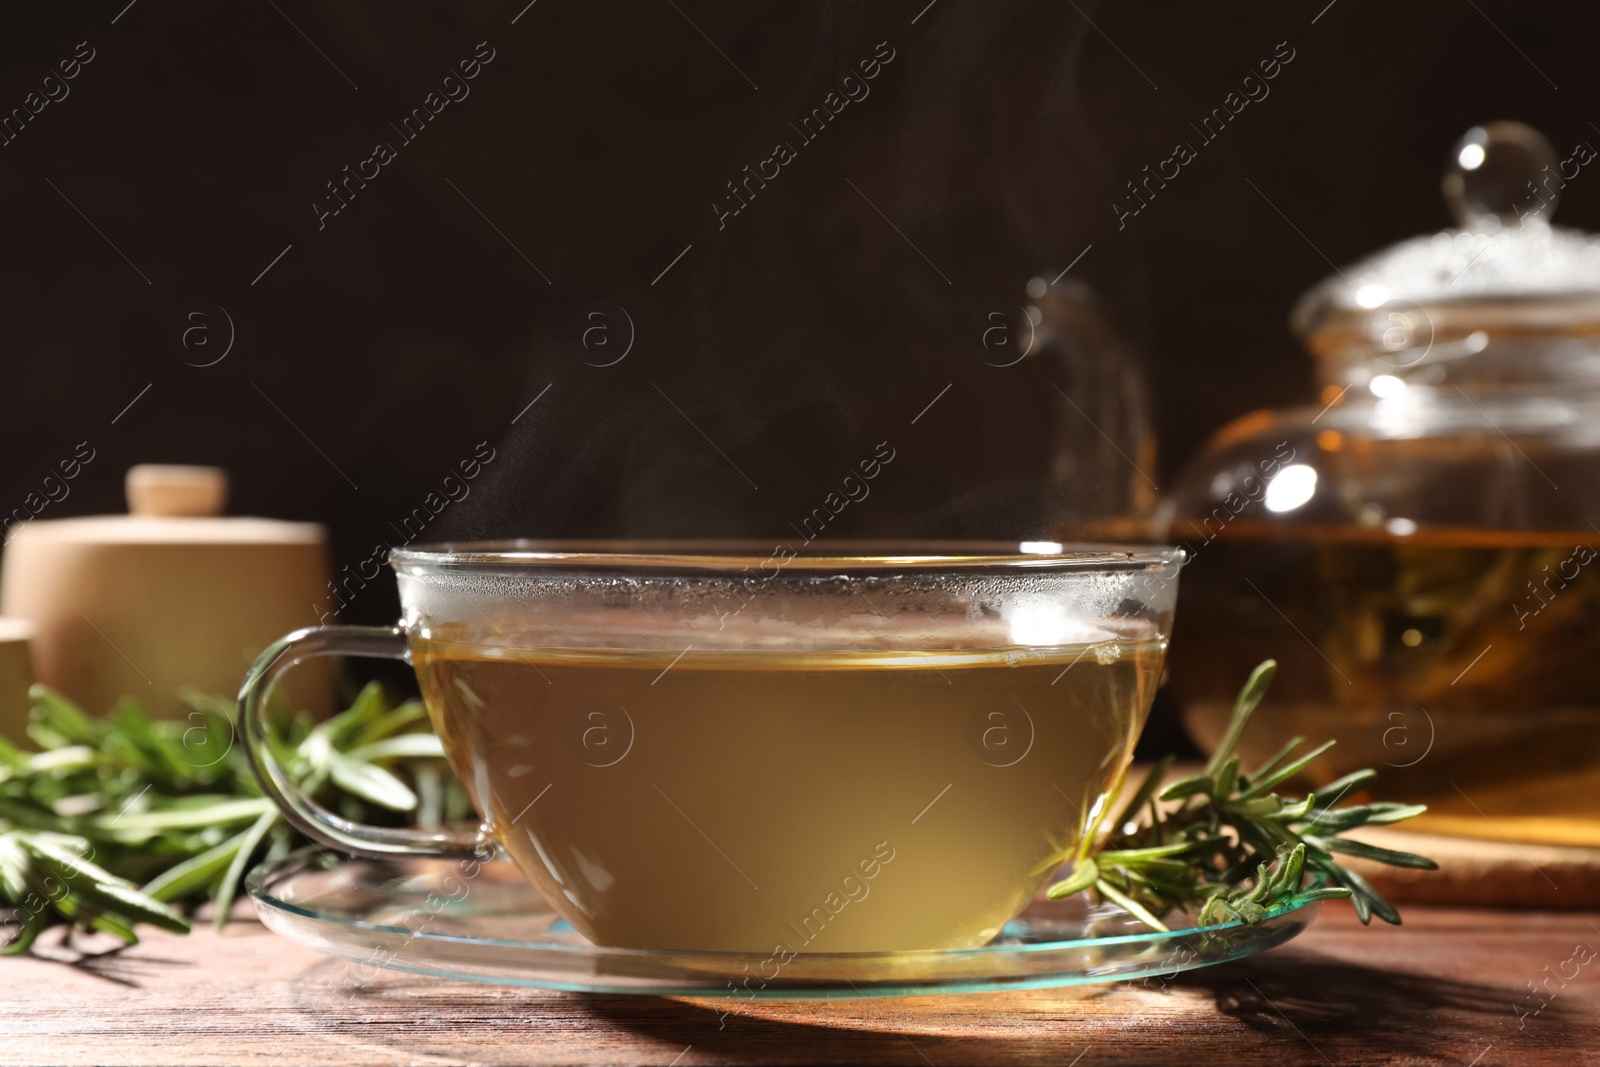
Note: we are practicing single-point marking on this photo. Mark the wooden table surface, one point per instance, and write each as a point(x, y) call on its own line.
point(1447, 988)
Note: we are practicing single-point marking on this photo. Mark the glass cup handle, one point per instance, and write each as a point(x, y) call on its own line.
point(311, 818)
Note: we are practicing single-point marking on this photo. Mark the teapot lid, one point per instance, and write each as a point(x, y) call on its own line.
point(1503, 270)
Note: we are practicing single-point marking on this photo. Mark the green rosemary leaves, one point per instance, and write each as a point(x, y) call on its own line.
point(1223, 842)
point(117, 819)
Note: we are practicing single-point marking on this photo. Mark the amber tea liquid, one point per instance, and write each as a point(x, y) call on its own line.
point(1463, 665)
point(822, 802)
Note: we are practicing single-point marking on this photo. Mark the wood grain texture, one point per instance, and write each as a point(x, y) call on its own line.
point(1484, 873)
point(1440, 990)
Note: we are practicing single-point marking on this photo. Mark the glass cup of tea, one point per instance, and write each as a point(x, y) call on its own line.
point(723, 747)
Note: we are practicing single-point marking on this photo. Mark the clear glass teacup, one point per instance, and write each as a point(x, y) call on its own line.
point(863, 747)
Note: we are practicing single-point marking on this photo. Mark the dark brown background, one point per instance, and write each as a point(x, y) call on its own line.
point(408, 330)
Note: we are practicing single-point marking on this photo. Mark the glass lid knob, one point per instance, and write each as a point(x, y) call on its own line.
point(1496, 177)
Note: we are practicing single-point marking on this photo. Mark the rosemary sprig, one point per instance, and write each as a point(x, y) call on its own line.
point(116, 820)
point(1223, 842)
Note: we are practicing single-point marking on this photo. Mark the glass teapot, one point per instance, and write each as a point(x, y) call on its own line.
point(1418, 549)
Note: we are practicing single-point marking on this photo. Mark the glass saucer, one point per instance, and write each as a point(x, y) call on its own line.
point(429, 917)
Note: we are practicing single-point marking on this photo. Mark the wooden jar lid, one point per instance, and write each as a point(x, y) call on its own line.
point(163, 489)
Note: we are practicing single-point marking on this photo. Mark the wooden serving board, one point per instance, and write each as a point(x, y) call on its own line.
point(1484, 873)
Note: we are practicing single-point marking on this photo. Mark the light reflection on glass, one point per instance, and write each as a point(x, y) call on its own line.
point(1293, 486)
